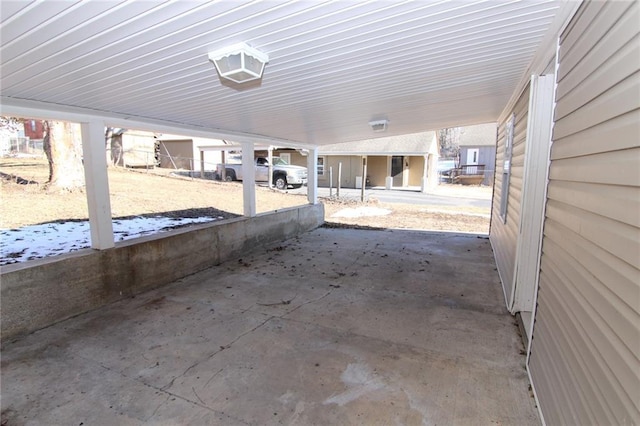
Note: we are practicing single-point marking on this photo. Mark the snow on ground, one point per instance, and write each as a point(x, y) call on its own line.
point(361, 212)
point(51, 239)
point(453, 212)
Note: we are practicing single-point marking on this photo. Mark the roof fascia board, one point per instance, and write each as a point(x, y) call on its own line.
point(47, 111)
point(545, 53)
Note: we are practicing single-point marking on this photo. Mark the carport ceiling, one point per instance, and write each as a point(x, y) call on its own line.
point(334, 66)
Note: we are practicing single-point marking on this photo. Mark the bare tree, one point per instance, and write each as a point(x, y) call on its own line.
point(10, 124)
point(108, 137)
point(449, 140)
point(113, 145)
point(62, 145)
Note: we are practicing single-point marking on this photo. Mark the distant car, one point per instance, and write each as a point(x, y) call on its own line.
point(445, 166)
point(284, 174)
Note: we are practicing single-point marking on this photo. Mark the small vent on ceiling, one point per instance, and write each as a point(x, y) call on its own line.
point(379, 125)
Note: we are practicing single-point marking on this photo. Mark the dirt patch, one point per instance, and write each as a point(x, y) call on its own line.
point(408, 216)
point(144, 193)
point(132, 193)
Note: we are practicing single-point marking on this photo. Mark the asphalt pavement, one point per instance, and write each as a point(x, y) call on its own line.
point(412, 195)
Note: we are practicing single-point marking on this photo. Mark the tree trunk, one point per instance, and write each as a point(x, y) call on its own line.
point(108, 140)
point(63, 147)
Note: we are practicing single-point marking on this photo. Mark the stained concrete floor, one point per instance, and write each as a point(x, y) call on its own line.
point(336, 327)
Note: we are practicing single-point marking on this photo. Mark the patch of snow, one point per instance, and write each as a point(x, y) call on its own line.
point(51, 239)
point(453, 212)
point(361, 212)
point(23, 155)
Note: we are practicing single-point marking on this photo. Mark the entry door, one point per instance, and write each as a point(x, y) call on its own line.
point(472, 159)
point(397, 167)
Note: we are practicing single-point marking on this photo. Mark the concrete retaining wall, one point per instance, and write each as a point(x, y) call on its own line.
point(42, 292)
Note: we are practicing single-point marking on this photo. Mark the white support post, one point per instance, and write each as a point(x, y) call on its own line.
point(330, 182)
point(312, 176)
point(97, 184)
point(339, 179)
point(201, 164)
point(270, 171)
point(388, 180)
point(425, 180)
point(223, 171)
point(363, 184)
point(249, 179)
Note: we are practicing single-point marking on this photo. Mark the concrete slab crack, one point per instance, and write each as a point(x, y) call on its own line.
point(283, 302)
point(198, 396)
point(222, 347)
point(167, 393)
point(305, 303)
point(213, 376)
point(157, 408)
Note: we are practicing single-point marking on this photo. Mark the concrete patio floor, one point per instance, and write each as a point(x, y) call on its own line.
point(335, 327)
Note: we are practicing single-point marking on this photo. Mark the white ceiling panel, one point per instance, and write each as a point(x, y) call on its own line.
point(333, 67)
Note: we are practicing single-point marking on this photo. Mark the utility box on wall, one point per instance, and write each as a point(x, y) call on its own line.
point(358, 182)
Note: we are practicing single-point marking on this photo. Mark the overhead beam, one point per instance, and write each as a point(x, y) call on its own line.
point(47, 111)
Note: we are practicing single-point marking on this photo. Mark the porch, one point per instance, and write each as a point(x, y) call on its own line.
point(336, 326)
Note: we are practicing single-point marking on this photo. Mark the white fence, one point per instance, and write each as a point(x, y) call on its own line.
point(10, 146)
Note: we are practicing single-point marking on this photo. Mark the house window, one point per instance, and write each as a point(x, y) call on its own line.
point(506, 168)
point(286, 157)
point(321, 166)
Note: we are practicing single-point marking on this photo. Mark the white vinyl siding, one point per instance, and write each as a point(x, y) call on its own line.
point(585, 352)
point(504, 236)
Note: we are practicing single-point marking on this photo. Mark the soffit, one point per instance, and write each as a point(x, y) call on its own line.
point(334, 66)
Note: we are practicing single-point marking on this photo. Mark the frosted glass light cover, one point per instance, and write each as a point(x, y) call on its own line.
point(239, 63)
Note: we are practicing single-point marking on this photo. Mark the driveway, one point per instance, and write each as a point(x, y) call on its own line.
point(334, 327)
point(442, 195)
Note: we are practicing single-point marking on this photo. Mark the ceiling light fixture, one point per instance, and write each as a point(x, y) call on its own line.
point(239, 63)
point(379, 125)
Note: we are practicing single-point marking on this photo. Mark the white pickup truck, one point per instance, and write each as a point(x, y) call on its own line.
point(284, 174)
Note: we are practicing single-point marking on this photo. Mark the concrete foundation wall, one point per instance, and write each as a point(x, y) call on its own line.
point(42, 292)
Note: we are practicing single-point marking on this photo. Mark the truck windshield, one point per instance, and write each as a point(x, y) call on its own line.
point(277, 161)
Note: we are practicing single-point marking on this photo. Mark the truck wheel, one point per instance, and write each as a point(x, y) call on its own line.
point(280, 182)
point(230, 176)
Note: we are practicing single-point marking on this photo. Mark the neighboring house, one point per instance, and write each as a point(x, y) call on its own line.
point(565, 223)
point(33, 129)
point(10, 132)
point(478, 147)
point(133, 148)
point(297, 157)
point(181, 152)
point(392, 162)
point(25, 138)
